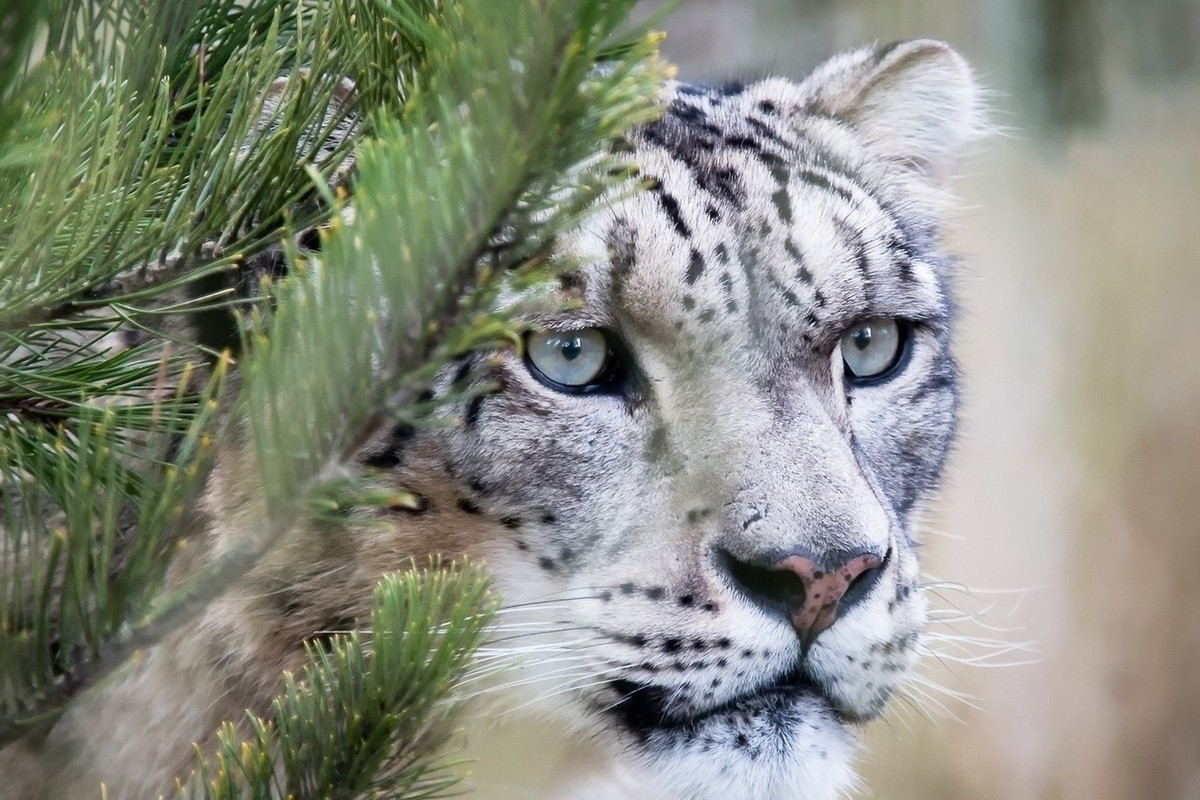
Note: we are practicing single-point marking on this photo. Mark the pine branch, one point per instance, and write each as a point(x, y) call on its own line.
point(87, 536)
point(369, 716)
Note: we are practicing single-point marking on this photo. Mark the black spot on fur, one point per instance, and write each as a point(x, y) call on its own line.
point(572, 280)
point(460, 374)
point(688, 302)
point(822, 182)
point(711, 211)
point(707, 315)
point(727, 283)
point(670, 207)
point(902, 255)
point(468, 506)
point(672, 645)
point(546, 563)
point(726, 185)
point(783, 204)
point(858, 248)
point(695, 267)
point(309, 241)
point(621, 242)
point(655, 593)
point(392, 452)
point(766, 107)
point(766, 131)
point(687, 112)
point(790, 247)
point(512, 523)
point(471, 412)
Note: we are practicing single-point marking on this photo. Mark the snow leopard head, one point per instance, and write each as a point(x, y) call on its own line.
point(697, 490)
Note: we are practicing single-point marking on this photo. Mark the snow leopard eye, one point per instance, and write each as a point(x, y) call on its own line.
point(873, 349)
point(570, 361)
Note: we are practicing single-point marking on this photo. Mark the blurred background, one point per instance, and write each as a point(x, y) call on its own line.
point(1072, 516)
point(1067, 661)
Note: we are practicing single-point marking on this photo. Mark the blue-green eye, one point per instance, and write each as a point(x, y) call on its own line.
point(570, 360)
point(872, 349)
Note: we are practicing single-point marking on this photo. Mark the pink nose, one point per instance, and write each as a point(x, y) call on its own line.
point(815, 607)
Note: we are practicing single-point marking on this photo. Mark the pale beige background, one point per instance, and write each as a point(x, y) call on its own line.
point(1073, 511)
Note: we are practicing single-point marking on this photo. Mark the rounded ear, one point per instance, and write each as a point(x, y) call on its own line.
point(914, 102)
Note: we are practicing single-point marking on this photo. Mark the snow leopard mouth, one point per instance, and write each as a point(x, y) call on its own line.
point(646, 709)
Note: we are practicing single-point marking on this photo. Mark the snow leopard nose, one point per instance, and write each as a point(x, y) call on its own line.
point(812, 594)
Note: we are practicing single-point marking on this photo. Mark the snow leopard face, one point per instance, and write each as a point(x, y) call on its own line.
point(697, 488)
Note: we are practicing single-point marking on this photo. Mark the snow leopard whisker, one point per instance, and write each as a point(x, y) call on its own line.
point(582, 681)
point(549, 648)
point(928, 706)
point(933, 692)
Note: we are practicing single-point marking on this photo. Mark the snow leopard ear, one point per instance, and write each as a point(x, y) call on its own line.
point(914, 102)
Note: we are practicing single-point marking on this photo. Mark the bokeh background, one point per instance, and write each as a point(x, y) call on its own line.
point(1067, 545)
point(1072, 518)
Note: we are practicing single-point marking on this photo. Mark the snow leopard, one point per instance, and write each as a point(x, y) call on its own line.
point(696, 488)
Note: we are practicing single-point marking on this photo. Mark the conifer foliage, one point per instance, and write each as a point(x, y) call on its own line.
point(157, 162)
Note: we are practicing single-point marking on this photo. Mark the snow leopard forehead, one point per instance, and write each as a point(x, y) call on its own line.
point(765, 224)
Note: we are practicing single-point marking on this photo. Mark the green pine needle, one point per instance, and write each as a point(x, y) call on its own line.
point(369, 717)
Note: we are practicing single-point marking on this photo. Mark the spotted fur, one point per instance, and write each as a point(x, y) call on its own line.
point(620, 524)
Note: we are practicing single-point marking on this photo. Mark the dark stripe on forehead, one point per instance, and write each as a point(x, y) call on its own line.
point(802, 273)
point(695, 267)
point(766, 131)
point(832, 173)
point(855, 242)
point(902, 255)
point(823, 182)
point(783, 204)
point(725, 184)
point(687, 111)
point(620, 241)
point(670, 207)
